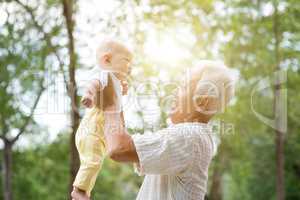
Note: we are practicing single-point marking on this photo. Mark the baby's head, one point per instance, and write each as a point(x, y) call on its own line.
point(112, 55)
point(206, 92)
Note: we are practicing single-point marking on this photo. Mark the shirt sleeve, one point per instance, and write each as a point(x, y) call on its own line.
point(98, 74)
point(164, 152)
point(95, 73)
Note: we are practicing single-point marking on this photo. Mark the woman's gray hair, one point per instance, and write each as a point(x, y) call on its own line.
point(217, 81)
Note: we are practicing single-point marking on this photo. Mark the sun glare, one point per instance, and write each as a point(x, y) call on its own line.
point(168, 47)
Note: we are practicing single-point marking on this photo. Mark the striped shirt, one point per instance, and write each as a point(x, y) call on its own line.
point(175, 161)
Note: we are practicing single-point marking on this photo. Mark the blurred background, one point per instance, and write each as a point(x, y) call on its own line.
point(48, 46)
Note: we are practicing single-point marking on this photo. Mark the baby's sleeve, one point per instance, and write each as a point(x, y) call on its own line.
point(97, 74)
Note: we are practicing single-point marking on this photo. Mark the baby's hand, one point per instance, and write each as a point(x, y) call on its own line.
point(88, 99)
point(124, 87)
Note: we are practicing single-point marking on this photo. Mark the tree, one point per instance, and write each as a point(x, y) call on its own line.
point(254, 37)
point(261, 38)
point(24, 62)
point(68, 10)
point(279, 115)
point(69, 76)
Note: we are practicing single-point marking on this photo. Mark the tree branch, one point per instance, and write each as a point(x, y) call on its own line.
point(29, 118)
point(46, 37)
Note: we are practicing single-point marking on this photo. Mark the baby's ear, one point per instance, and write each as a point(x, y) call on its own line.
point(106, 58)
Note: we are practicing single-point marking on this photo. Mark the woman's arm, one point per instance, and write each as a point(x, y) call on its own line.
point(120, 146)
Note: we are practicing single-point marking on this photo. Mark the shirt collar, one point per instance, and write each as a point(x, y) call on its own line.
point(104, 76)
point(196, 125)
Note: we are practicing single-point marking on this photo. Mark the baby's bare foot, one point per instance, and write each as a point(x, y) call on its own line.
point(78, 194)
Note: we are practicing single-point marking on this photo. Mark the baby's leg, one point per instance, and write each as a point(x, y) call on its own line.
point(91, 151)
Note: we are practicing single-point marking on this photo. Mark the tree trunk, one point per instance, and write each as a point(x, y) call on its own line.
point(72, 90)
point(216, 186)
point(7, 171)
point(216, 189)
point(279, 134)
point(280, 165)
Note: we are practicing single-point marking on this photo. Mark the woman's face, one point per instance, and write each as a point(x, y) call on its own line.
point(183, 104)
point(184, 107)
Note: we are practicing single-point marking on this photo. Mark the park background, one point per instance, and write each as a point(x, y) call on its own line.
point(48, 46)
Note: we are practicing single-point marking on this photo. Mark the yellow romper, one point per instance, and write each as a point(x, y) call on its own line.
point(89, 139)
point(90, 144)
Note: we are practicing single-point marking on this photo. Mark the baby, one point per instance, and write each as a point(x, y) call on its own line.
point(106, 86)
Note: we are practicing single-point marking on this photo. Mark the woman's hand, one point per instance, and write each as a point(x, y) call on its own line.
point(120, 146)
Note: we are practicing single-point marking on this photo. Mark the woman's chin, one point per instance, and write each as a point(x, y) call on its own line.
point(173, 118)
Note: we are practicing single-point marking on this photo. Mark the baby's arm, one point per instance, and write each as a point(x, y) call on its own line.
point(88, 98)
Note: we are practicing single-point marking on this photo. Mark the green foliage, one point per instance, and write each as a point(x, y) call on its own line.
point(42, 172)
point(23, 64)
point(251, 50)
point(246, 158)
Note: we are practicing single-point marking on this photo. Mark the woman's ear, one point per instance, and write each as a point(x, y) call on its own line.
point(206, 104)
point(201, 103)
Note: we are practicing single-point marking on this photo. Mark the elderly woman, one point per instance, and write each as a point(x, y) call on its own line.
point(175, 160)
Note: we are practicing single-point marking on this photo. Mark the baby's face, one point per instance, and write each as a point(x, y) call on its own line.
point(117, 60)
point(121, 64)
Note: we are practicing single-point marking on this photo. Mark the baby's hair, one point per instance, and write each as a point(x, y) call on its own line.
point(111, 46)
